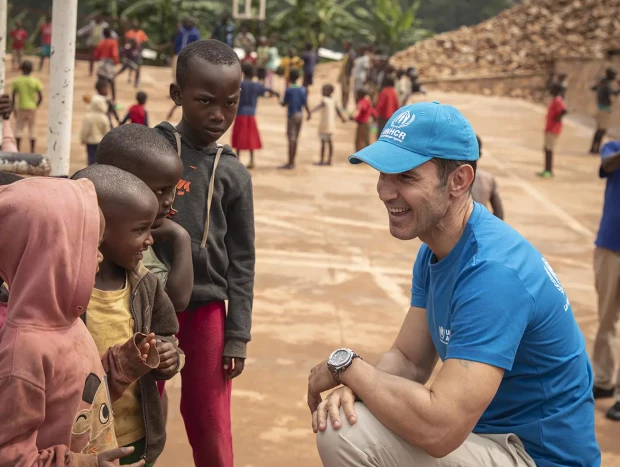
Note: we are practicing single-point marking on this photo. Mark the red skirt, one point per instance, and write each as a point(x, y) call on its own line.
point(245, 135)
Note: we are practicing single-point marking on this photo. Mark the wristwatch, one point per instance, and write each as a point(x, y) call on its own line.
point(340, 360)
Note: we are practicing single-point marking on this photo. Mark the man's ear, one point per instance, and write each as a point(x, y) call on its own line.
point(175, 94)
point(461, 179)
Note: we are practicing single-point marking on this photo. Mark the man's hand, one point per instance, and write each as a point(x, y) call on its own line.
point(107, 458)
point(168, 358)
point(166, 229)
point(320, 380)
point(145, 344)
point(6, 106)
point(344, 397)
point(233, 367)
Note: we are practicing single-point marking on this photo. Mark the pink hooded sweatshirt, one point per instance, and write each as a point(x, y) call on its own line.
point(55, 407)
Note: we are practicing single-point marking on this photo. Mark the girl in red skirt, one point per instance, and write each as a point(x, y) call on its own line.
point(245, 135)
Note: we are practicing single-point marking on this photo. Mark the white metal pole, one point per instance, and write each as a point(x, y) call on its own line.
point(62, 63)
point(3, 34)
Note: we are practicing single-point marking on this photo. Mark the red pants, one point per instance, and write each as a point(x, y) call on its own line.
point(205, 394)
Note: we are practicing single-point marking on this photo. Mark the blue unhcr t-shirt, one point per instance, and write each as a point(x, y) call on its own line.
point(608, 233)
point(494, 299)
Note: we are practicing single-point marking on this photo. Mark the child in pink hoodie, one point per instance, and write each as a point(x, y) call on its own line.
point(56, 407)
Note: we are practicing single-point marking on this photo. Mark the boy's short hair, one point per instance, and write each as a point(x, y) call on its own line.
point(247, 69)
point(141, 97)
point(107, 33)
point(361, 93)
point(26, 67)
point(211, 50)
point(116, 189)
point(101, 84)
point(611, 73)
point(293, 76)
point(556, 89)
point(133, 148)
point(388, 81)
point(7, 178)
point(328, 89)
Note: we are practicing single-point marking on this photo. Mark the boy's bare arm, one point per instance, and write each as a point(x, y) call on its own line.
point(40, 98)
point(13, 101)
point(340, 115)
point(181, 270)
point(307, 110)
point(320, 106)
point(611, 163)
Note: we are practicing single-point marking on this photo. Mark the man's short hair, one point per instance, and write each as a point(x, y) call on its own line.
point(7, 178)
point(116, 189)
point(133, 148)
point(446, 166)
point(211, 50)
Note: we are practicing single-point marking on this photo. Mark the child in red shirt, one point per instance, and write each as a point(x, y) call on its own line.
point(553, 128)
point(388, 104)
point(19, 36)
point(362, 117)
point(137, 112)
point(107, 53)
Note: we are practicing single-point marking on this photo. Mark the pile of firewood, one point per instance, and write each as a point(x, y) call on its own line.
point(525, 38)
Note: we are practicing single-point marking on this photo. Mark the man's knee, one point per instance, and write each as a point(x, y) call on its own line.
point(347, 446)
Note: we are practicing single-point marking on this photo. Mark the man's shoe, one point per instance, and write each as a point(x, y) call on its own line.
point(614, 412)
point(600, 393)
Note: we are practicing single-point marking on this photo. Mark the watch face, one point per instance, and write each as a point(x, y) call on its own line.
point(340, 358)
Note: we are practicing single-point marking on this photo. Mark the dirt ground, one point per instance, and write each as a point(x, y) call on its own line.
point(329, 274)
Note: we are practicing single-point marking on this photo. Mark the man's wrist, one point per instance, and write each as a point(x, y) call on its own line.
point(348, 373)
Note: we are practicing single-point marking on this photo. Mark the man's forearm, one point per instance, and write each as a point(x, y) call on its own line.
point(395, 363)
point(611, 163)
point(405, 407)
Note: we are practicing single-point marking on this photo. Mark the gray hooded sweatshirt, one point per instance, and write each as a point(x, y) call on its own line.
point(224, 270)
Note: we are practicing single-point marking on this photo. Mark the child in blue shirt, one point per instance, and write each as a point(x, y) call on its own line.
point(295, 98)
point(245, 135)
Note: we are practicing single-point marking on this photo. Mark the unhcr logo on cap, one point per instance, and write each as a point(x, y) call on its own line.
point(404, 119)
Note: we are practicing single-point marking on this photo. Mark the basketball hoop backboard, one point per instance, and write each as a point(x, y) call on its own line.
point(249, 10)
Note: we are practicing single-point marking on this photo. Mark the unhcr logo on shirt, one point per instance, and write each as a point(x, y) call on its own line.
point(402, 120)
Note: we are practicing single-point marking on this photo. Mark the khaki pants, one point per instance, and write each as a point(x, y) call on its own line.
point(607, 281)
point(369, 443)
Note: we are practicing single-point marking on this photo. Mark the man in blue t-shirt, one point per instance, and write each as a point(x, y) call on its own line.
point(607, 279)
point(515, 387)
point(296, 99)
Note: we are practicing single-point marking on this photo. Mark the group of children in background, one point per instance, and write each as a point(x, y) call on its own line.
point(127, 282)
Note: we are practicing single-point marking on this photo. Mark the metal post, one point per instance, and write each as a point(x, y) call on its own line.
point(3, 34)
point(62, 62)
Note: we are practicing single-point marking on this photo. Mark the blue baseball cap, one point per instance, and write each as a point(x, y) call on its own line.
point(418, 133)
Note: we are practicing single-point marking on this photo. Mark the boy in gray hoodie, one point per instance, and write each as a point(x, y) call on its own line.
point(214, 204)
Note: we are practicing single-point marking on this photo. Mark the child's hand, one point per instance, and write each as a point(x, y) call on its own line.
point(309, 115)
point(168, 358)
point(167, 230)
point(6, 106)
point(107, 458)
point(145, 345)
point(233, 367)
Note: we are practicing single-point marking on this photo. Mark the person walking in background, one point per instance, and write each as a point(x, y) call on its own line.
point(403, 87)
point(137, 113)
point(327, 123)
point(362, 116)
point(106, 54)
point(19, 37)
point(27, 91)
point(95, 126)
point(290, 63)
point(272, 63)
point(245, 39)
point(484, 190)
point(309, 58)
point(295, 99)
point(224, 30)
point(387, 103)
point(136, 35)
point(346, 70)
point(186, 34)
point(607, 281)
point(46, 40)
point(93, 32)
point(245, 135)
point(361, 68)
point(553, 128)
point(262, 59)
point(604, 91)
